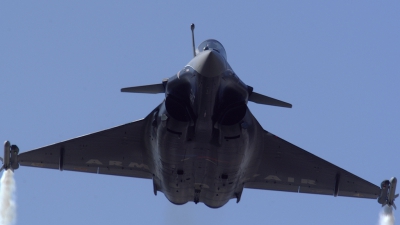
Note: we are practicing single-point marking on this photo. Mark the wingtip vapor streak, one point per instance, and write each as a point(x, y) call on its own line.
point(201, 144)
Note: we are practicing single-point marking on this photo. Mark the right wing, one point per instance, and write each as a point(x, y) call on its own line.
point(117, 151)
point(286, 167)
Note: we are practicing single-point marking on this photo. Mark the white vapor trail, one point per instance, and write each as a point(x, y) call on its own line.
point(386, 216)
point(7, 204)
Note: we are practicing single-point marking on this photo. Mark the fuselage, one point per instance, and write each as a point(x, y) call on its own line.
point(201, 137)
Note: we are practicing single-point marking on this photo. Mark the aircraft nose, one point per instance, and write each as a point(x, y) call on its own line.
point(209, 63)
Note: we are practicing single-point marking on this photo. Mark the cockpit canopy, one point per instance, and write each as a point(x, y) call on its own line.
point(211, 44)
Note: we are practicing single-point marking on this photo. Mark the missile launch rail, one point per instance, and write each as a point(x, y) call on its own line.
point(10, 160)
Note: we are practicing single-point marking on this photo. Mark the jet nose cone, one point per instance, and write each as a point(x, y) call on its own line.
point(209, 63)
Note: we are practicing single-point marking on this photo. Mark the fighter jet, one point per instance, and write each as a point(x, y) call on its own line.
point(200, 144)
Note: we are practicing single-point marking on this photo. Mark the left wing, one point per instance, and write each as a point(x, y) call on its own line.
point(117, 151)
point(283, 166)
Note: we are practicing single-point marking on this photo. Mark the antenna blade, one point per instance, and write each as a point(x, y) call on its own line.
point(265, 100)
point(146, 89)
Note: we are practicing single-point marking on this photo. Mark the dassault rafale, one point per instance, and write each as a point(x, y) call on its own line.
point(202, 144)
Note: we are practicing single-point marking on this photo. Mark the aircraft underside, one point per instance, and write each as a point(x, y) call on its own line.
point(202, 159)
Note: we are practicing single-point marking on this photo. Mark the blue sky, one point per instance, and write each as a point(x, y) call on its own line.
point(62, 64)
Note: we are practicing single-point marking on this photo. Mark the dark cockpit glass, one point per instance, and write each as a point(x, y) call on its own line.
point(211, 44)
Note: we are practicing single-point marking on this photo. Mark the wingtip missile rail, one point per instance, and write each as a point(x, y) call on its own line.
point(388, 190)
point(10, 160)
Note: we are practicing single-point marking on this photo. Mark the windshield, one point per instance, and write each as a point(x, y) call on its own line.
point(211, 44)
